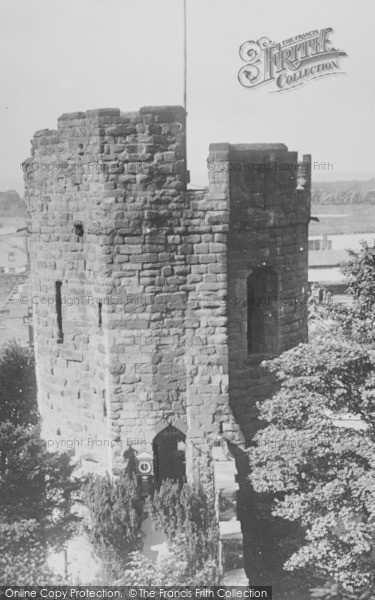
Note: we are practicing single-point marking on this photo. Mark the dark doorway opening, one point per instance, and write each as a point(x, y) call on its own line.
point(169, 455)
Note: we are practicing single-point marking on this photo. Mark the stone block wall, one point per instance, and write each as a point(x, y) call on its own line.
point(152, 327)
point(105, 199)
point(268, 193)
point(206, 349)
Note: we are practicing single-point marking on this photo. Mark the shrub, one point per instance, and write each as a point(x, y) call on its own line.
point(115, 510)
point(172, 569)
point(17, 385)
point(333, 592)
point(186, 515)
point(23, 555)
point(139, 571)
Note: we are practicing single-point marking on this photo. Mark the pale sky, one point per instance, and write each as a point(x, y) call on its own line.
point(60, 56)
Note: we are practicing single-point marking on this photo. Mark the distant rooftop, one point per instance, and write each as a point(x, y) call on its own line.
point(326, 258)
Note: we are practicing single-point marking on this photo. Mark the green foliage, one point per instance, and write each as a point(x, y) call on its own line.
point(172, 569)
point(11, 204)
point(333, 592)
point(316, 451)
point(353, 323)
point(357, 322)
point(35, 485)
point(23, 555)
point(360, 275)
point(140, 571)
point(344, 192)
point(323, 474)
point(115, 510)
point(180, 566)
point(204, 474)
point(17, 385)
point(186, 515)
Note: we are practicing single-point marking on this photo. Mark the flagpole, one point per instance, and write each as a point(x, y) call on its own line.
point(185, 91)
point(185, 57)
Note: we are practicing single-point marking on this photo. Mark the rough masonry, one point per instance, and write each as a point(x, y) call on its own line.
point(154, 305)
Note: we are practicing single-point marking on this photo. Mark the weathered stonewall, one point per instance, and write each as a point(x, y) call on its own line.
point(155, 305)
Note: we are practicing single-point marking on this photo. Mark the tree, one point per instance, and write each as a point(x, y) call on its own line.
point(36, 499)
point(11, 204)
point(23, 555)
point(323, 474)
point(186, 516)
point(343, 192)
point(115, 511)
point(36, 486)
point(357, 322)
point(17, 385)
point(360, 275)
point(316, 451)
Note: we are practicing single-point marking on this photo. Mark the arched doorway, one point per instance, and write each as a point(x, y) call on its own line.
point(169, 455)
point(262, 312)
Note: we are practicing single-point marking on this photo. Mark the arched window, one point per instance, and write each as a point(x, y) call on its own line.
point(262, 313)
point(169, 455)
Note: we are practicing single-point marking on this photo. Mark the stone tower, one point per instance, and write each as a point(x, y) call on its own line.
point(154, 305)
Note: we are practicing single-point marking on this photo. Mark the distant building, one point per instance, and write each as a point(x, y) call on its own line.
point(327, 253)
point(15, 316)
point(13, 251)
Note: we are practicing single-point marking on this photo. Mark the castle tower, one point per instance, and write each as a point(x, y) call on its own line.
point(153, 305)
point(267, 253)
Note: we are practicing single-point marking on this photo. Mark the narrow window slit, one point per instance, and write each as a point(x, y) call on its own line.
point(100, 307)
point(78, 229)
point(60, 334)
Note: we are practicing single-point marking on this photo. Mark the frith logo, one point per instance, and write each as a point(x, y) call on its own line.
point(291, 62)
